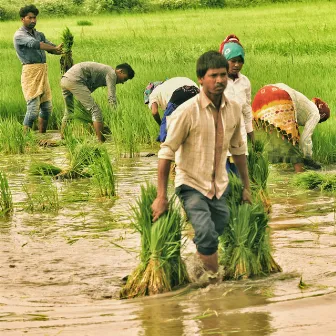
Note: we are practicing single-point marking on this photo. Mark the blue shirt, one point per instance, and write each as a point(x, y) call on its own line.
point(27, 46)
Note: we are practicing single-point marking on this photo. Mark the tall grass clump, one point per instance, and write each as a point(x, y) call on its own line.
point(161, 266)
point(13, 140)
point(102, 174)
point(84, 23)
point(6, 203)
point(66, 60)
point(313, 180)
point(244, 248)
point(42, 197)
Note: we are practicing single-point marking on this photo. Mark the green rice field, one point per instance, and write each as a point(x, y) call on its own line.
point(289, 43)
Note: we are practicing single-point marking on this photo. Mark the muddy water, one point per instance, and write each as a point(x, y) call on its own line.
point(60, 273)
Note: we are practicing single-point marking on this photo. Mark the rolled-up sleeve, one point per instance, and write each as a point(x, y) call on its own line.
point(178, 126)
point(27, 41)
point(111, 81)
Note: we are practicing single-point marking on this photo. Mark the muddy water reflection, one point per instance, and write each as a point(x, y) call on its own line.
point(60, 273)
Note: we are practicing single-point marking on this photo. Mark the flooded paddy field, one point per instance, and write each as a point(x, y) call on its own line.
point(61, 272)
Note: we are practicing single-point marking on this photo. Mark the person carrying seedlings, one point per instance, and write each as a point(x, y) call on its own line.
point(279, 110)
point(157, 94)
point(30, 46)
point(199, 134)
point(238, 88)
point(84, 78)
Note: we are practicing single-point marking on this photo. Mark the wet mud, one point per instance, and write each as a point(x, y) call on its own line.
point(60, 273)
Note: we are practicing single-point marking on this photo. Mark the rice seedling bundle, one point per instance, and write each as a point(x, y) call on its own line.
point(66, 60)
point(244, 247)
point(43, 168)
point(103, 175)
point(6, 203)
point(161, 266)
point(313, 180)
point(258, 168)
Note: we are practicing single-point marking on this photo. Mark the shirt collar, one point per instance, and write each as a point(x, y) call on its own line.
point(205, 101)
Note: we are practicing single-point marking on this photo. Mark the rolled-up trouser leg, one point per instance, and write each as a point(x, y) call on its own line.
point(45, 110)
point(83, 95)
point(209, 217)
point(33, 108)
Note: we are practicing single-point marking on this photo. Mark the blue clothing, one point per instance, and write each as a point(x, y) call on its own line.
point(27, 46)
point(36, 108)
point(209, 217)
point(171, 107)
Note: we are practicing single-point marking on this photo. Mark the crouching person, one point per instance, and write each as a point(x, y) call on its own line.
point(199, 134)
point(84, 78)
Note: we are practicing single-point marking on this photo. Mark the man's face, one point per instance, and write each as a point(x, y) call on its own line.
point(29, 21)
point(214, 81)
point(122, 77)
point(235, 65)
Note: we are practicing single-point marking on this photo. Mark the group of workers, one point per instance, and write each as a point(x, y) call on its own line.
point(204, 128)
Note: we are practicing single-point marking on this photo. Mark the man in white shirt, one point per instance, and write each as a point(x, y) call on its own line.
point(162, 93)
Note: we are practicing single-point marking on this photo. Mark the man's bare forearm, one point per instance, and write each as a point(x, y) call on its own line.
point(241, 164)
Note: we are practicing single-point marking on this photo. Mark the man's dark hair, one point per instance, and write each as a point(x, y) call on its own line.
point(28, 9)
point(126, 68)
point(210, 60)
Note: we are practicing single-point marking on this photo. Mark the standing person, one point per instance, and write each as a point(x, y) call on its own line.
point(84, 78)
point(30, 46)
point(280, 110)
point(158, 94)
point(200, 132)
point(238, 87)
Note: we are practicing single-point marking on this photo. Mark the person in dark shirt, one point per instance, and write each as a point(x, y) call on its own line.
point(30, 46)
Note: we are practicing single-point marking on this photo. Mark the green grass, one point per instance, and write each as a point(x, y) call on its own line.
point(6, 203)
point(282, 42)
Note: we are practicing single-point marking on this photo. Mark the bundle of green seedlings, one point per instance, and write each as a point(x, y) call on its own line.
point(87, 159)
point(258, 168)
point(6, 203)
point(244, 248)
point(161, 266)
point(313, 180)
point(66, 60)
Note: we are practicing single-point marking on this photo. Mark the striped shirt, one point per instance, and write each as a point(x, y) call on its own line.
point(27, 46)
point(198, 138)
point(307, 115)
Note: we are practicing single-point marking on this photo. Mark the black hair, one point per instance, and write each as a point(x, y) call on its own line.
point(126, 68)
point(28, 9)
point(210, 60)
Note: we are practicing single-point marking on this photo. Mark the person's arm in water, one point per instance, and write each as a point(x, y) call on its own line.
point(155, 113)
